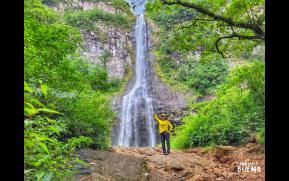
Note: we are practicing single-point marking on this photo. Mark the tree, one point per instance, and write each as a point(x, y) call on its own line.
point(218, 26)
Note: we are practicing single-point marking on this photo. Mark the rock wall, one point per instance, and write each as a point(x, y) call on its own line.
point(118, 43)
point(118, 46)
point(165, 100)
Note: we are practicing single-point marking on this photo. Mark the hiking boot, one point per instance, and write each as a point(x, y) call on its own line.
point(165, 153)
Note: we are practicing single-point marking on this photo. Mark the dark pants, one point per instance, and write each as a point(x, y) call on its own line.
point(165, 137)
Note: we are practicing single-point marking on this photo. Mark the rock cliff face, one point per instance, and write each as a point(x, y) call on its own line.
point(165, 99)
point(116, 49)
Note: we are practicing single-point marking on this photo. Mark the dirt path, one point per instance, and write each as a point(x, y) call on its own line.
point(198, 164)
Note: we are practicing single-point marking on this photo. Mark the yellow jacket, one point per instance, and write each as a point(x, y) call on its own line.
point(164, 125)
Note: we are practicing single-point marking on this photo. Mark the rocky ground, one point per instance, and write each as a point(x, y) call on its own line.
point(198, 164)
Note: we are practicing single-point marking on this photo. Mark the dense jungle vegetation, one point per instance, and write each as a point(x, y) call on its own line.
point(213, 48)
point(66, 101)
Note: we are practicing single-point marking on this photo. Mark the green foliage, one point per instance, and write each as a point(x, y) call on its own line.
point(79, 74)
point(46, 41)
point(70, 107)
point(88, 115)
point(119, 4)
point(200, 77)
point(186, 30)
point(45, 156)
point(203, 76)
point(261, 136)
point(32, 105)
point(78, 88)
point(105, 57)
point(86, 19)
point(229, 119)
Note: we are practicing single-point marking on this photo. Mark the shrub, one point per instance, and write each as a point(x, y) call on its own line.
point(261, 136)
point(204, 76)
point(90, 115)
point(86, 19)
point(45, 156)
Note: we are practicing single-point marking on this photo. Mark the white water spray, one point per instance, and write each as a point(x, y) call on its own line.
point(130, 123)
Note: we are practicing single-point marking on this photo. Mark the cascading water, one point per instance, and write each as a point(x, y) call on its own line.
point(136, 126)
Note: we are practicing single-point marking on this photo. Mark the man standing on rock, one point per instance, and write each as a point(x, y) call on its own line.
point(165, 127)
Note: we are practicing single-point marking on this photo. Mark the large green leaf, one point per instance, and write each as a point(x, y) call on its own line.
point(27, 88)
point(47, 110)
point(44, 147)
point(39, 174)
point(44, 89)
point(48, 176)
point(29, 109)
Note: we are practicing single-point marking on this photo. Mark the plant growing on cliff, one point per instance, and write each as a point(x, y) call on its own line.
point(86, 19)
point(118, 4)
point(104, 58)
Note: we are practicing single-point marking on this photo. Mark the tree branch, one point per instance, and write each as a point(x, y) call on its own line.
point(247, 25)
point(234, 35)
point(194, 22)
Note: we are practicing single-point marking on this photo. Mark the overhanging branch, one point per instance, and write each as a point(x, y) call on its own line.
point(247, 25)
point(234, 35)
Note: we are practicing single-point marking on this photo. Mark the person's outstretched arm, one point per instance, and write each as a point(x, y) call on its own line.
point(156, 117)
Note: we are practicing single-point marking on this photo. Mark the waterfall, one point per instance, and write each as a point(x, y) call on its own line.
point(137, 126)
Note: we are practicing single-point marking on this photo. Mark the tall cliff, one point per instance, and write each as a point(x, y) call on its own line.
point(106, 40)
